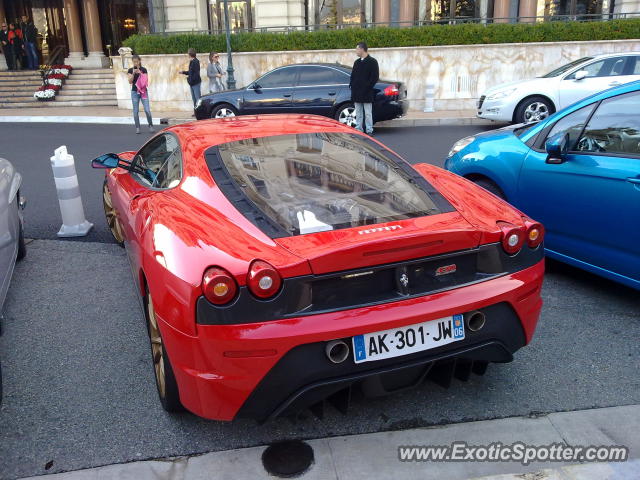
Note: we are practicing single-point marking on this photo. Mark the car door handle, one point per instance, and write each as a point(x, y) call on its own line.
point(332, 94)
point(635, 180)
point(287, 95)
point(614, 84)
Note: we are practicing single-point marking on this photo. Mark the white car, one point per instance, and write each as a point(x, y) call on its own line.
point(529, 101)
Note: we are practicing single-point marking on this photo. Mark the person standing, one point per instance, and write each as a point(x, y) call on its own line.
point(215, 73)
point(15, 40)
point(29, 37)
point(7, 48)
point(193, 76)
point(139, 80)
point(364, 77)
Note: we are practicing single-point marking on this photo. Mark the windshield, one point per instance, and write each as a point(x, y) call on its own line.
point(566, 68)
point(308, 183)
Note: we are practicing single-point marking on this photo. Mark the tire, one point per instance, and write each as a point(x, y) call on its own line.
point(111, 216)
point(533, 110)
point(224, 110)
point(346, 114)
point(166, 384)
point(22, 246)
point(490, 187)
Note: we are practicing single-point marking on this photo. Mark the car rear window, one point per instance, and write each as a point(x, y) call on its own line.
point(305, 183)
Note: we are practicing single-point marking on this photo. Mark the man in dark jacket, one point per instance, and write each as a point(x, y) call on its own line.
point(7, 48)
point(193, 76)
point(364, 76)
point(29, 39)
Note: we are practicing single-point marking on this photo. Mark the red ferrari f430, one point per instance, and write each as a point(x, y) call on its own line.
point(283, 261)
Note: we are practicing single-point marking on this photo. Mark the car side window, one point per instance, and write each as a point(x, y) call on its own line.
point(311, 75)
point(603, 68)
point(572, 124)
point(283, 77)
point(614, 127)
point(161, 161)
point(633, 67)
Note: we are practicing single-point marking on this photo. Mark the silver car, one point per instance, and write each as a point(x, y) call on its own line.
point(12, 244)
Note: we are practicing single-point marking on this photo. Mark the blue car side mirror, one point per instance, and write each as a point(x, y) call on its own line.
point(108, 160)
point(557, 147)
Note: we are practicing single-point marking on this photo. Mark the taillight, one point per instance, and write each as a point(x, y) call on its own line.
point(263, 280)
point(391, 91)
point(512, 238)
point(218, 286)
point(535, 233)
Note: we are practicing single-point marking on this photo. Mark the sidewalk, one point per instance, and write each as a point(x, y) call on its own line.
point(375, 456)
point(113, 115)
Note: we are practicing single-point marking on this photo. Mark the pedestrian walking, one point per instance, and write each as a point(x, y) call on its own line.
point(193, 76)
point(30, 38)
point(364, 77)
point(7, 48)
point(15, 40)
point(215, 73)
point(139, 80)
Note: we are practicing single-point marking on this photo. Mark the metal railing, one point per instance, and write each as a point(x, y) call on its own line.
point(601, 17)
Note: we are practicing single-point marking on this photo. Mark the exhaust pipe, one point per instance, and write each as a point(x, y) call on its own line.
point(337, 351)
point(476, 320)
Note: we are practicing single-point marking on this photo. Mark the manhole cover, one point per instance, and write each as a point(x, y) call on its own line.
point(288, 459)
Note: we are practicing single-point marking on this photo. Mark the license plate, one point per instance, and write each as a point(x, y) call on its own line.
point(405, 340)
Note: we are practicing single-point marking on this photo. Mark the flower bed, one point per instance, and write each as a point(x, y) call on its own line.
point(52, 78)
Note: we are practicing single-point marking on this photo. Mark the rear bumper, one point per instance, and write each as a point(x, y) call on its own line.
point(388, 110)
point(218, 377)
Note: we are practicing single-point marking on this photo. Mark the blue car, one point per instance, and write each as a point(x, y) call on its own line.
point(577, 172)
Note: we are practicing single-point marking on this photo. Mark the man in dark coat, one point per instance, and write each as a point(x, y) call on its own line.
point(364, 76)
point(7, 48)
point(193, 76)
point(30, 38)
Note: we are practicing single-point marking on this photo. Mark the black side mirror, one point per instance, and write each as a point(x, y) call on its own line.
point(111, 160)
point(256, 86)
point(557, 147)
point(108, 160)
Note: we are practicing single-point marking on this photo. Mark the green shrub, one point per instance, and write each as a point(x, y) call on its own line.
point(464, 34)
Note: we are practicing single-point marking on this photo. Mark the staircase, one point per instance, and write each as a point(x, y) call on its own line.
point(83, 88)
point(16, 89)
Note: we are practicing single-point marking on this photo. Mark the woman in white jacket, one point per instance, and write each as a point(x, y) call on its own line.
point(215, 73)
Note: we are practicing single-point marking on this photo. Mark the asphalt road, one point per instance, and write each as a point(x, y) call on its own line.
point(30, 146)
point(78, 381)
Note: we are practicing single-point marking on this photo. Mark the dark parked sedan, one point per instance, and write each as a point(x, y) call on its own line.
point(316, 88)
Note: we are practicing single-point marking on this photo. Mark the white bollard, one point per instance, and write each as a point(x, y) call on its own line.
point(64, 173)
point(429, 94)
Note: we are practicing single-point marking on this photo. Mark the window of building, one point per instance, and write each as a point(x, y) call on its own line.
point(241, 14)
point(577, 8)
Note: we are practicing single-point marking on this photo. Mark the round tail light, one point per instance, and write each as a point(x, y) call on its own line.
point(218, 286)
point(263, 280)
point(512, 238)
point(535, 233)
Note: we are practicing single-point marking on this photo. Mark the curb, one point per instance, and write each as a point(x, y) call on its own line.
point(375, 455)
point(398, 122)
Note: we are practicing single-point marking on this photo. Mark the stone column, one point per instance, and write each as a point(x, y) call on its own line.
point(382, 11)
point(501, 11)
point(96, 58)
point(74, 34)
point(407, 13)
point(527, 10)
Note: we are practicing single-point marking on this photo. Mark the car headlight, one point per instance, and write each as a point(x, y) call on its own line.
point(501, 94)
point(459, 145)
point(198, 103)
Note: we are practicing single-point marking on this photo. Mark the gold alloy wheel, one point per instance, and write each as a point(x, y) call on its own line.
point(110, 213)
point(157, 351)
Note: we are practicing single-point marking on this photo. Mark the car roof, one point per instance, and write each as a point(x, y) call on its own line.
point(203, 134)
point(616, 54)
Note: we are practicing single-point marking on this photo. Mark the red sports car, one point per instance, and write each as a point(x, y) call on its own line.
point(287, 260)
